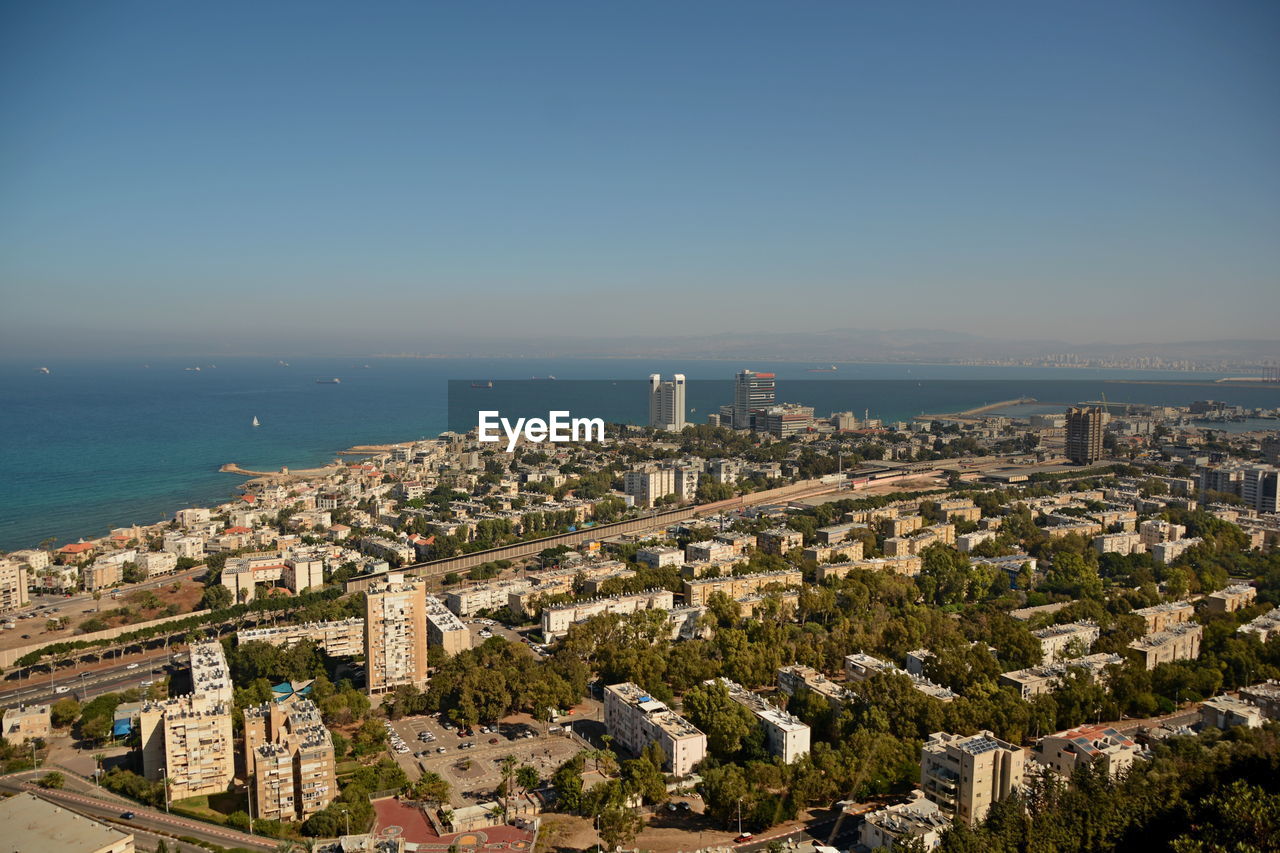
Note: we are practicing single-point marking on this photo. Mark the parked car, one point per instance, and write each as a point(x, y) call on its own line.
point(743, 838)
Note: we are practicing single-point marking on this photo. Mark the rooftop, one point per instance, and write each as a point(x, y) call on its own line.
point(33, 824)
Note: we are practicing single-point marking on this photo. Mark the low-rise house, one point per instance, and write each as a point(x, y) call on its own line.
point(1225, 712)
point(26, 722)
point(1097, 746)
point(919, 819)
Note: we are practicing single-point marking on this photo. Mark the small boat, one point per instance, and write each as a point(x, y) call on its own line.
point(542, 378)
point(43, 370)
point(283, 363)
point(334, 381)
point(192, 369)
point(256, 422)
point(831, 369)
point(488, 384)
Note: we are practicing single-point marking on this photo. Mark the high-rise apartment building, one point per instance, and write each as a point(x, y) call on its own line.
point(752, 392)
point(1260, 488)
point(965, 775)
point(1084, 434)
point(666, 403)
point(395, 639)
point(647, 486)
point(188, 739)
point(288, 754)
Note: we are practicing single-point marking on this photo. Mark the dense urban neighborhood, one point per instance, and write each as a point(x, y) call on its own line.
point(972, 631)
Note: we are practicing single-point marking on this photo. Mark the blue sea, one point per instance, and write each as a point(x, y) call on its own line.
point(94, 445)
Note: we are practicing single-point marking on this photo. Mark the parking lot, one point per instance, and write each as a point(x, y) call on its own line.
point(475, 769)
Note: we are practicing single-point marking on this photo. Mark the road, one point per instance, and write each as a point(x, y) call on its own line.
point(143, 818)
point(88, 682)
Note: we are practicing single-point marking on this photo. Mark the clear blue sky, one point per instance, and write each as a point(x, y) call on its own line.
point(412, 172)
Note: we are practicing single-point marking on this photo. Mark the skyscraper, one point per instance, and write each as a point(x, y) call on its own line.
point(1084, 434)
point(751, 392)
point(666, 402)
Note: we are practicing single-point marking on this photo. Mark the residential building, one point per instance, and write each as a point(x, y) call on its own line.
point(909, 565)
point(241, 575)
point(649, 485)
point(157, 563)
point(556, 619)
point(785, 736)
point(1119, 543)
point(666, 403)
point(752, 393)
point(1260, 488)
point(1226, 712)
point(188, 740)
point(395, 644)
point(1177, 642)
point(1084, 434)
point(184, 546)
point(859, 667)
point(919, 818)
point(1047, 677)
point(796, 677)
point(660, 555)
point(13, 584)
point(26, 722)
point(698, 590)
point(444, 629)
point(1167, 552)
point(1097, 746)
point(1161, 616)
point(34, 825)
point(635, 719)
point(1155, 531)
point(710, 551)
point(1264, 626)
point(1235, 597)
point(1057, 641)
point(210, 675)
point(339, 639)
point(469, 601)
point(1266, 695)
point(780, 540)
point(288, 754)
point(963, 776)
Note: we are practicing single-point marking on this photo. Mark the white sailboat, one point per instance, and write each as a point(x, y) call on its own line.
point(255, 421)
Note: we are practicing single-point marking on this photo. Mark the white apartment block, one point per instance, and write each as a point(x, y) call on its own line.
point(1260, 488)
point(1167, 552)
point(919, 819)
point(659, 555)
point(157, 563)
point(649, 485)
point(241, 575)
point(963, 776)
point(340, 639)
point(635, 719)
point(1264, 626)
point(666, 402)
point(785, 736)
point(1119, 543)
point(698, 590)
point(1056, 640)
point(859, 667)
point(1177, 642)
point(1047, 677)
point(909, 565)
point(395, 634)
point(444, 628)
point(183, 546)
point(556, 619)
point(1156, 531)
point(1100, 746)
point(489, 596)
point(13, 584)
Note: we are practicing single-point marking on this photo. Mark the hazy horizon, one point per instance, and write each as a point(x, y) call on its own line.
point(294, 178)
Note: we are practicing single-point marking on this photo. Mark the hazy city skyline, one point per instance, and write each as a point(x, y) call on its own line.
point(316, 177)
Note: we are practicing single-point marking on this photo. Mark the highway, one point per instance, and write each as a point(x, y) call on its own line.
point(143, 818)
point(87, 683)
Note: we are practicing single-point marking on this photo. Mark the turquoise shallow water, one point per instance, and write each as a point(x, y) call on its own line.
point(97, 445)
